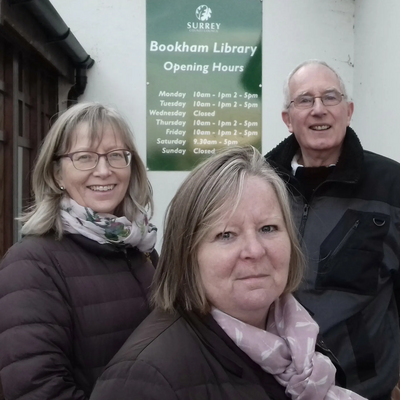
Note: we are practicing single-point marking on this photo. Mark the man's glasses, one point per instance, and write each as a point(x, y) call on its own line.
point(328, 99)
point(84, 160)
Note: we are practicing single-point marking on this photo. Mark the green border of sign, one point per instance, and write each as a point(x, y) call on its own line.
point(203, 79)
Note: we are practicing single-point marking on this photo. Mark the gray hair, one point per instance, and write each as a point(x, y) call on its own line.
point(286, 89)
point(44, 216)
point(198, 205)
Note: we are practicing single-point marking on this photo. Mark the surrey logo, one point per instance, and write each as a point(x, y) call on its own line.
point(203, 13)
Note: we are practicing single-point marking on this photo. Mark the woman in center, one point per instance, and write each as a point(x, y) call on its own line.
point(225, 325)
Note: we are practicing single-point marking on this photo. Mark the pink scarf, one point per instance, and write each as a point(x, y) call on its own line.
point(286, 349)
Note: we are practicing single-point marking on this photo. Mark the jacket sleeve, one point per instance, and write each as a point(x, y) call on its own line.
point(396, 272)
point(128, 380)
point(396, 289)
point(35, 332)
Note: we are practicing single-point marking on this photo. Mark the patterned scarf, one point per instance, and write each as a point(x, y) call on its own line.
point(286, 349)
point(107, 228)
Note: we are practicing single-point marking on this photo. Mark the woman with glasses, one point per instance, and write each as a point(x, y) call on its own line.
point(76, 286)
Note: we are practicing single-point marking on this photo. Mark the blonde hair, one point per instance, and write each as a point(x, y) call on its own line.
point(197, 206)
point(43, 216)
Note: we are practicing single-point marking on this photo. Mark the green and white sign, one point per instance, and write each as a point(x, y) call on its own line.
point(203, 79)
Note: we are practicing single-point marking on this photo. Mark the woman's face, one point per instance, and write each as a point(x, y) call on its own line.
point(102, 188)
point(244, 260)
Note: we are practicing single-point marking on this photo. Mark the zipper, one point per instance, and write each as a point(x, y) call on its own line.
point(304, 219)
point(129, 263)
point(345, 238)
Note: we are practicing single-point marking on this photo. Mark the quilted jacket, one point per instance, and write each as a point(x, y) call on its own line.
point(66, 307)
point(184, 356)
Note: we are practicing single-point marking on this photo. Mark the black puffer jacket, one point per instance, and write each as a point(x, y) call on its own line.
point(186, 357)
point(66, 307)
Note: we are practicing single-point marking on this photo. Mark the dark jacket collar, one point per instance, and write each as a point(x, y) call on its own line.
point(236, 361)
point(348, 169)
point(230, 356)
point(218, 342)
point(102, 250)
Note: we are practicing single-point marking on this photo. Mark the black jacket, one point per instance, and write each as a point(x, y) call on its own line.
point(66, 307)
point(350, 233)
point(186, 357)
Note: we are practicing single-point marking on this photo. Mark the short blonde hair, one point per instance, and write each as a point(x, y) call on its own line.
point(195, 208)
point(44, 215)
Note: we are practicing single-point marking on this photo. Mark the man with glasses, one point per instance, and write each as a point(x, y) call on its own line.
point(346, 203)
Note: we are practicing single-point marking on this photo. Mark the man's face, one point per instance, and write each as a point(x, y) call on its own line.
point(319, 128)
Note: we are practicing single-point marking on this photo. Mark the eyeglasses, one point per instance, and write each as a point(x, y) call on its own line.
point(328, 99)
point(84, 160)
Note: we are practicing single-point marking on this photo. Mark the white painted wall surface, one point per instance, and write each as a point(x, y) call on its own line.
point(294, 31)
point(377, 76)
point(113, 33)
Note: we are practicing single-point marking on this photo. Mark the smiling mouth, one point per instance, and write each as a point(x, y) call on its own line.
point(99, 188)
point(320, 127)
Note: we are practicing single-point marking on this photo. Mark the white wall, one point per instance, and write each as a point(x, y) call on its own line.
point(113, 33)
point(377, 76)
point(294, 31)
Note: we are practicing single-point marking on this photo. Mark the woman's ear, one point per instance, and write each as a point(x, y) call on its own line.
point(57, 173)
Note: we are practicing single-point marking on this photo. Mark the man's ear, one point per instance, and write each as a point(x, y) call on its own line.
point(350, 110)
point(287, 120)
